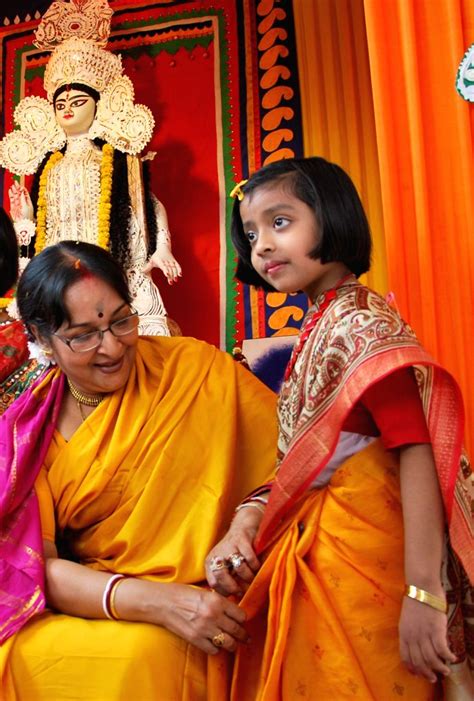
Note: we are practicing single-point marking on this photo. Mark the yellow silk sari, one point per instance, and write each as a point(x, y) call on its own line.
point(144, 487)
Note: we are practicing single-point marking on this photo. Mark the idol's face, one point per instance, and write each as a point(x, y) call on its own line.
point(75, 111)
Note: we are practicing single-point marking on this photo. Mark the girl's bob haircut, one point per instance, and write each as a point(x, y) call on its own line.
point(331, 194)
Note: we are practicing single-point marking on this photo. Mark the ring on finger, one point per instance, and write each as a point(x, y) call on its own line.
point(219, 639)
point(235, 560)
point(217, 564)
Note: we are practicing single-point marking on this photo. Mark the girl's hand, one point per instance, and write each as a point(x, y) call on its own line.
point(423, 640)
point(198, 616)
point(21, 206)
point(238, 541)
point(166, 262)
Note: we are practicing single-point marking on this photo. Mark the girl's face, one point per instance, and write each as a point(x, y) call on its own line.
point(93, 304)
point(75, 111)
point(282, 231)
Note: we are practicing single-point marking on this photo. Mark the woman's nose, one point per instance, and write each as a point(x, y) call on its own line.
point(109, 342)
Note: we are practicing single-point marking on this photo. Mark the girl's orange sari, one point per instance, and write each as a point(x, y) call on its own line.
point(323, 610)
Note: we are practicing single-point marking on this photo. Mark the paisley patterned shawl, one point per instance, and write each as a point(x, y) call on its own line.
point(358, 341)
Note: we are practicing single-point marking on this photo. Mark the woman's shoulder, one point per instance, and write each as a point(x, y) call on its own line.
point(160, 346)
point(179, 352)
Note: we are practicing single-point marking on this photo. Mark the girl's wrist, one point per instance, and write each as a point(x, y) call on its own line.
point(428, 583)
point(426, 597)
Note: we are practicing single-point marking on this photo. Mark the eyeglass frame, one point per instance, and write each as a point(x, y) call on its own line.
point(101, 333)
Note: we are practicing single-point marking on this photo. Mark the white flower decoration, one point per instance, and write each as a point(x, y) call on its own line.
point(38, 353)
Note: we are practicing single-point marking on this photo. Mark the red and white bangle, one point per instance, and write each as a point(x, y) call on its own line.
point(110, 611)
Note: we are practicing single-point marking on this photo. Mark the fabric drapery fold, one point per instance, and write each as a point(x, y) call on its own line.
point(310, 585)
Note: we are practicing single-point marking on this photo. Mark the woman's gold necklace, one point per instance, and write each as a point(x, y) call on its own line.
point(84, 399)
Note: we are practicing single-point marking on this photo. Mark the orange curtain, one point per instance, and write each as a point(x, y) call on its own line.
point(337, 104)
point(378, 97)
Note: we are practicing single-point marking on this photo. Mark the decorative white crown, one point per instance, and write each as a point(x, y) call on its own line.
point(81, 61)
point(76, 33)
point(81, 19)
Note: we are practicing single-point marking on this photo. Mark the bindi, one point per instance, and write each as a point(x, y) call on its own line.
point(100, 315)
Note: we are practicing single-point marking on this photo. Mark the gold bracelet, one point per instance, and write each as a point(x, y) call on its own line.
point(113, 592)
point(425, 597)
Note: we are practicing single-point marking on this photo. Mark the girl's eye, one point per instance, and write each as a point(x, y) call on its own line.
point(278, 222)
point(251, 236)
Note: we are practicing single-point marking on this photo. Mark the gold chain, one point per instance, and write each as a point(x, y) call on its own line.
point(86, 399)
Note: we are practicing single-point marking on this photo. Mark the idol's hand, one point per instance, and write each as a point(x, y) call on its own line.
point(232, 563)
point(163, 259)
point(423, 640)
point(21, 206)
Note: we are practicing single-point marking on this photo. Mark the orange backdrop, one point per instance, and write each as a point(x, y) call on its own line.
point(378, 96)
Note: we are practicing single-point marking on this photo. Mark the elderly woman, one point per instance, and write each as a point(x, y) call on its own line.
point(116, 472)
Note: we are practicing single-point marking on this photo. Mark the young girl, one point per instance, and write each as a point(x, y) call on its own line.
point(341, 556)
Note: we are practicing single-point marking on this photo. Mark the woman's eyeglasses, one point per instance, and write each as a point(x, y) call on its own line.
point(91, 340)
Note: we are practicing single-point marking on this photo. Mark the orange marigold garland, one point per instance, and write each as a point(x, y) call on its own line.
point(106, 173)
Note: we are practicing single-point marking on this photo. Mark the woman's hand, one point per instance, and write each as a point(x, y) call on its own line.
point(163, 259)
point(423, 640)
point(199, 616)
point(194, 614)
point(238, 541)
point(21, 206)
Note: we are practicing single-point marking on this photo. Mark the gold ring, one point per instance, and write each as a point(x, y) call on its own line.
point(217, 564)
point(219, 639)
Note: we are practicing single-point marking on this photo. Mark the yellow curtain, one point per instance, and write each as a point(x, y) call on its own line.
point(378, 97)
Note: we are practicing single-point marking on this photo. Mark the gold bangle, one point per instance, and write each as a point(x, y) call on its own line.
point(425, 597)
point(113, 592)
